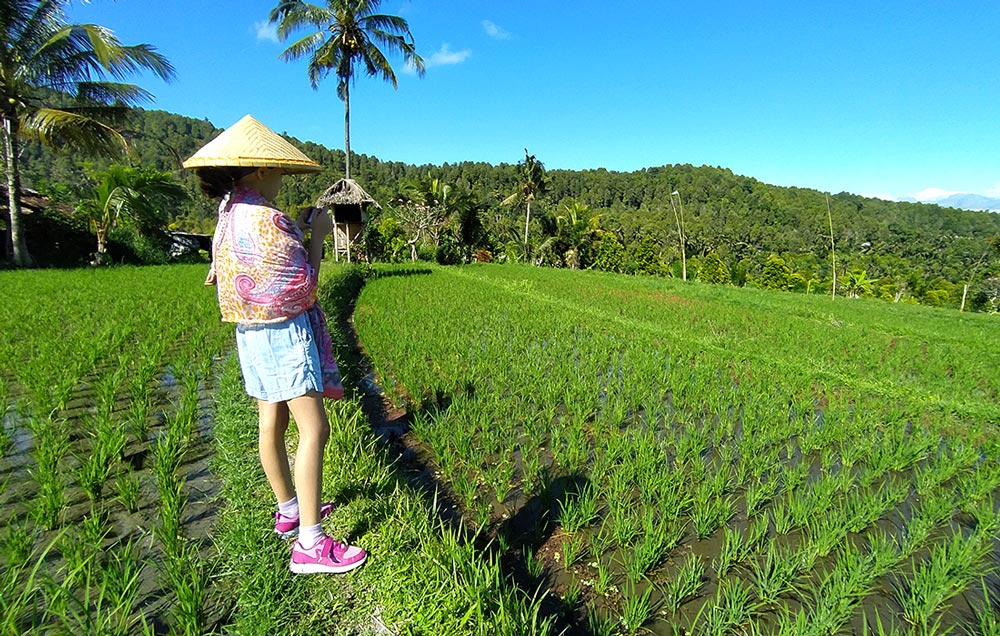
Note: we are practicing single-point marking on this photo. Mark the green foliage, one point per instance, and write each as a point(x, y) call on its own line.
point(776, 274)
point(61, 88)
point(645, 257)
point(129, 197)
point(910, 249)
point(713, 270)
point(610, 254)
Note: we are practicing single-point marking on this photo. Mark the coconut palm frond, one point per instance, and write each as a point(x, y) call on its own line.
point(52, 126)
point(304, 46)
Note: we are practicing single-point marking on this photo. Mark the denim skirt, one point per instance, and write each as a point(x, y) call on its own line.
point(279, 360)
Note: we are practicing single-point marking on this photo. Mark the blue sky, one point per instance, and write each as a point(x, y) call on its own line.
point(893, 99)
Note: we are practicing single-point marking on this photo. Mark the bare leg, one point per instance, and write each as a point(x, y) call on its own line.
point(314, 431)
point(271, 446)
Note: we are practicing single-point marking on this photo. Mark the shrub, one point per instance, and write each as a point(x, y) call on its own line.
point(714, 270)
point(610, 254)
point(776, 274)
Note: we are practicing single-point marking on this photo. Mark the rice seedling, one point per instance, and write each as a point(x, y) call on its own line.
point(98, 597)
point(982, 483)
point(52, 444)
point(625, 525)
point(949, 570)
point(758, 494)
point(685, 584)
point(733, 550)
point(637, 608)
point(987, 616)
point(21, 587)
point(500, 478)
point(533, 564)
point(578, 509)
point(826, 532)
point(883, 552)
point(732, 607)
point(658, 537)
point(106, 391)
point(17, 541)
point(775, 572)
point(836, 596)
point(187, 577)
point(127, 485)
point(139, 406)
point(782, 518)
point(879, 629)
point(605, 578)
point(599, 624)
point(571, 597)
point(572, 547)
point(794, 474)
point(710, 510)
point(172, 504)
point(601, 541)
point(933, 512)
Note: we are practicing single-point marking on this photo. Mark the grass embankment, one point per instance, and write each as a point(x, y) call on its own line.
point(423, 576)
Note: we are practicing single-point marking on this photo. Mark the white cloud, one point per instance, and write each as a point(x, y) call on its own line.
point(443, 57)
point(446, 57)
point(933, 194)
point(266, 31)
point(495, 31)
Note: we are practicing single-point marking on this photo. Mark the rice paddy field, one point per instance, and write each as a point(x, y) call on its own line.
point(522, 451)
point(105, 385)
point(679, 458)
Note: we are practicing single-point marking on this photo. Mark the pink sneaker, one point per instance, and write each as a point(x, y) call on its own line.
point(288, 527)
point(326, 557)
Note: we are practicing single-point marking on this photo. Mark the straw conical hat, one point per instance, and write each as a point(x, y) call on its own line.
point(250, 144)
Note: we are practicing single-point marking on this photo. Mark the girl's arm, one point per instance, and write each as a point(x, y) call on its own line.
point(321, 226)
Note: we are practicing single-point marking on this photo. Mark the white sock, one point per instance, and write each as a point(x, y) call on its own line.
point(310, 535)
point(290, 508)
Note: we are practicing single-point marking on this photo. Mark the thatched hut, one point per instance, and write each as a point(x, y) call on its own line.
point(348, 203)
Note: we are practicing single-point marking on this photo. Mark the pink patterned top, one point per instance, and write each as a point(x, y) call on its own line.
point(260, 265)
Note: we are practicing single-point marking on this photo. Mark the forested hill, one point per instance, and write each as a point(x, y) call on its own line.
point(736, 217)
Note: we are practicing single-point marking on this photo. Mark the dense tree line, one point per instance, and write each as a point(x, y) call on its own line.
point(623, 221)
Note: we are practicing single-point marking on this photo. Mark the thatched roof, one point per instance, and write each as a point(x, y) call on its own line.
point(346, 192)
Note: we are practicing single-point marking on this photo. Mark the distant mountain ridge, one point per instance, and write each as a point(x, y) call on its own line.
point(969, 202)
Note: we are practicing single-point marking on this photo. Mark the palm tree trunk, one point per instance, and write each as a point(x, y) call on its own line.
point(347, 130)
point(19, 248)
point(527, 220)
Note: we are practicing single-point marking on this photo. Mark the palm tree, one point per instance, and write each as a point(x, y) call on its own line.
point(125, 194)
point(60, 85)
point(576, 227)
point(347, 33)
point(532, 184)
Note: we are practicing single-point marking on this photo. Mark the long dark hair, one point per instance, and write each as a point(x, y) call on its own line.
point(217, 182)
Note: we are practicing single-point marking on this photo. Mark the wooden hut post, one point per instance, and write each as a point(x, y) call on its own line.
point(336, 244)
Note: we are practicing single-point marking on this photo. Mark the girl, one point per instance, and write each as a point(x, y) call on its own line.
point(266, 281)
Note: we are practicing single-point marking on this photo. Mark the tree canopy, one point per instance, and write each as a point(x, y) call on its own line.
point(911, 250)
